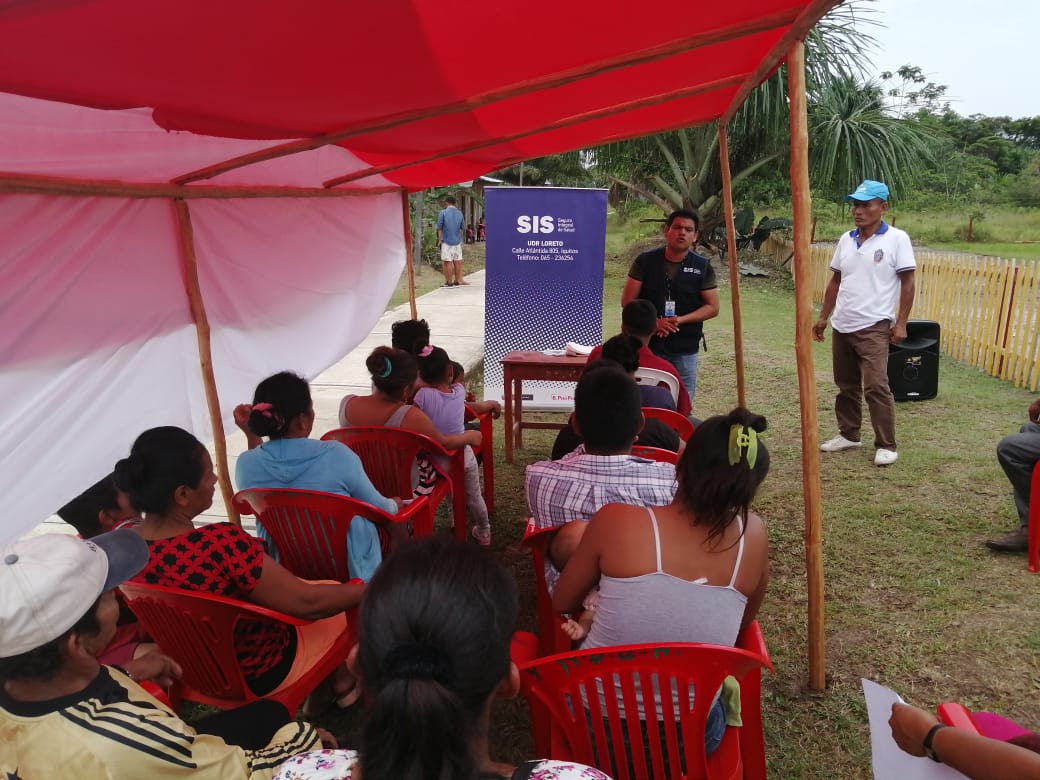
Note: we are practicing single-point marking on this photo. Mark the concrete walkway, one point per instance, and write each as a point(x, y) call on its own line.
point(456, 318)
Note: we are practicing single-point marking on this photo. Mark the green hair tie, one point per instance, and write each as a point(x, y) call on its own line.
point(389, 368)
point(743, 445)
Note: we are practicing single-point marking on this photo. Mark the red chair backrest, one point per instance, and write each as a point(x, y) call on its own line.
point(309, 528)
point(388, 454)
point(551, 638)
point(605, 730)
point(655, 453)
point(198, 630)
point(673, 420)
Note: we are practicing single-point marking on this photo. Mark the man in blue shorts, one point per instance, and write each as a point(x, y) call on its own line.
point(450, 225)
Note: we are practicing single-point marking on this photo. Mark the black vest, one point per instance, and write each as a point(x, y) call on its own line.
point(685, 290)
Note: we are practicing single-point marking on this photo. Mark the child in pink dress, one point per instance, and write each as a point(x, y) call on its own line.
point(444, 402)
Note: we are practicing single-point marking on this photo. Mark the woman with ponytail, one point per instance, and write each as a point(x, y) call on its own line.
point(693, 571)
point(282, 412)
point(393, 373)
point(433, 655)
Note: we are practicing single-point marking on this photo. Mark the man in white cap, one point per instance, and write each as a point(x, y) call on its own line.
point(870, 292)
point(62, 714)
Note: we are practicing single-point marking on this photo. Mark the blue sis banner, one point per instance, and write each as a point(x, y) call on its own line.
point(544, 279)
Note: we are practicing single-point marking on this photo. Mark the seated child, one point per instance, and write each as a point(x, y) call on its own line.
point(444, 402)
point(564, 543)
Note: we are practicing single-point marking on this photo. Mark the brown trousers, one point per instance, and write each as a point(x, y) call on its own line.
point(861, 369)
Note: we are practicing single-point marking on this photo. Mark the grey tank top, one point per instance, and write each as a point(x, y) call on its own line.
point(660, 607)
point(393, 421)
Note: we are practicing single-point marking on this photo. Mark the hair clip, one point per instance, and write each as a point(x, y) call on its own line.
point(388, 368)
point(426, 351)
point(743, 445)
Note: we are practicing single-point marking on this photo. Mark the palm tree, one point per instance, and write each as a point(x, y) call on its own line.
point(851, 135)
point(853, 138)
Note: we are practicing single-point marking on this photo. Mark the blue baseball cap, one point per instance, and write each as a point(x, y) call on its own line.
point(869, 190)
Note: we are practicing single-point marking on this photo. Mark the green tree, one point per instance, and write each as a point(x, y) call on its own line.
point(854, 137)
point(852, 134)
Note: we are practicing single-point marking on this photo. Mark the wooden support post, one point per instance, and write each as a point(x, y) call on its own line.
point(198, 313)
point(406, 212)
point(806, 373)
point(734, 275)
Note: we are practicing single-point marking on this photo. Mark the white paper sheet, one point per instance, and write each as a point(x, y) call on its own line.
point(889, 762)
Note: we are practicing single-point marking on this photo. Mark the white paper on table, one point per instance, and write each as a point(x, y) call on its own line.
point(554, 352)
point(889, 761)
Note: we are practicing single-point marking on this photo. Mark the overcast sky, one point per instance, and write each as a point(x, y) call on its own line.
point(985, 53)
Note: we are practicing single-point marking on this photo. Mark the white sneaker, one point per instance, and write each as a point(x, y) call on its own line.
point(885, 457)
point(839, 443)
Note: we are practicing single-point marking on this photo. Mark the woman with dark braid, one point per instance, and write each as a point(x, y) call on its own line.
point(435, 631)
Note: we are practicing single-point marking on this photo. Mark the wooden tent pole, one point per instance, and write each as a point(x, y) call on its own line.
point(406, 210)
point(209, 381)
point(734, 276)
point(727, 82)
point(697, 39)
point(61, 185)
point(806, 371)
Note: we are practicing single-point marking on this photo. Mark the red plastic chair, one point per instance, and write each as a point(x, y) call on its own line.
point(198, 631)
point(487, 450)
point(388, 455)
point(681, 425)
point(655, 453)
point(551, 638)
point(1034, 520)
point(309, 528)
point(588, 729)
point(957, 715)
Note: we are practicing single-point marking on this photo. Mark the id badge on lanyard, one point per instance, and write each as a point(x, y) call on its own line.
point(669, 304)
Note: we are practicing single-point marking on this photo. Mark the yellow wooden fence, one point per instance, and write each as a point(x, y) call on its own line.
point(988, 308)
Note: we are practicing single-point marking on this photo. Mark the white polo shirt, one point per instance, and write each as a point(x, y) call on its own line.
point(870, 285)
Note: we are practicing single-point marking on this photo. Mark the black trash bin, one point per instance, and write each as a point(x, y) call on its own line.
point(913, 366)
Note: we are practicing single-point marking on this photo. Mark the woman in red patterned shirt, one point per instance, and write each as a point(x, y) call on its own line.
point(170, 480)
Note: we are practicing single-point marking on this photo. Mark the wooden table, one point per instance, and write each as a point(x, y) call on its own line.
point(518, 366)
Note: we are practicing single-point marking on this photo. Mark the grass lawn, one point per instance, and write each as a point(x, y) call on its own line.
point(1022, 251)
point(429, 278)
point(913, 599)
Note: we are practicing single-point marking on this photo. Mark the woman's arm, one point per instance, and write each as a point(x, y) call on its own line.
point(281, 590)
point(416, 420)
point(582, 572)
point(357, 483)
point(480, 407)
point(979, 757)
point(756, 556)
point(241, 415)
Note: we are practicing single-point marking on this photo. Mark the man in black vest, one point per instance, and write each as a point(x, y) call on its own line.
point(681, 285)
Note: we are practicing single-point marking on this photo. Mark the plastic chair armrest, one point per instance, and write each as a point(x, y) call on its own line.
point(752, 640)
point(957, 715)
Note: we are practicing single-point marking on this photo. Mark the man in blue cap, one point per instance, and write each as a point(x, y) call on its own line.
point(870, 293)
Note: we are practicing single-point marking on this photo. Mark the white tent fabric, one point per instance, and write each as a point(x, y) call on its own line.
point(96, 333)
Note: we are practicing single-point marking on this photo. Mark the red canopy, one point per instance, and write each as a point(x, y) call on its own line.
point(429, 93)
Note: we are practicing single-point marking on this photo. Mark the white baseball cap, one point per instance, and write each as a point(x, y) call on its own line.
point(49, 582)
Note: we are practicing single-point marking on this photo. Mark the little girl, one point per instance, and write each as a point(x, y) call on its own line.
point(444, 402)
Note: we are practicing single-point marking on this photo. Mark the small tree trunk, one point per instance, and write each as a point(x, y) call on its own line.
point(417, 228)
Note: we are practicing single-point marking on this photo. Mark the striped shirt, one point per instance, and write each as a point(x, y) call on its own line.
point(577, 485)
point(114, 729)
